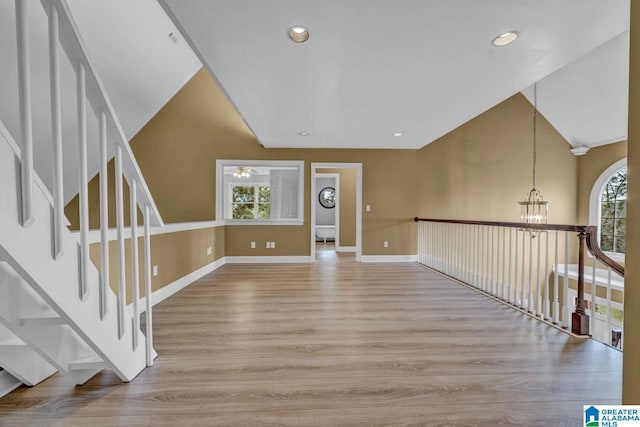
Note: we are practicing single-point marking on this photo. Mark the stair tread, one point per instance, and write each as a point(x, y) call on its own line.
point(92, 358)
point(46, 316)
point(11, 341)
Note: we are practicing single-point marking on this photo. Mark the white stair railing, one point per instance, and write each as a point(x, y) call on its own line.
point(539, 269)
point(110, 140)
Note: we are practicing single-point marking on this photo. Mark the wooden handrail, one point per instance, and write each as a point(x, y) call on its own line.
point(522, 225)
point(596, 251)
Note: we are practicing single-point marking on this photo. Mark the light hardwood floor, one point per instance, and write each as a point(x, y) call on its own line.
point(338, 343)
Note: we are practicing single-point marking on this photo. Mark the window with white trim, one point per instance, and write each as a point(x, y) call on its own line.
point(608, 209)
point(260, 192)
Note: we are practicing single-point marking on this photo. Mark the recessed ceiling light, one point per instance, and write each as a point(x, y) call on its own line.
point(299, 34)
point(397, 134)
point(505, 39)
point(303, 133)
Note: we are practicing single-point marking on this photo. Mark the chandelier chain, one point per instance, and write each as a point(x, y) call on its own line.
point(535, 113)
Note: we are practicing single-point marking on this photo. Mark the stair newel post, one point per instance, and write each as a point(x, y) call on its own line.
point(104, 216)
point(26, 123)
point(147, 287)
point(56, 131)
point(120, 231)
point(134, 261)
point(579, 319)
point(84, 179)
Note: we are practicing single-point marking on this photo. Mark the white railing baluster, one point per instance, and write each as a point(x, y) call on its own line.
point(538, 296)
point(478, 283)
point(419, 243)
point(147, 287)
point(135, 282)
point(104, 216)
point(476, 252)
point(593, 297)
point(608, 324)
point(545, 279)
point(83, 200)
point(509, 280)
point(530, 282)
point(122, 292)
point(556, 292)
point(491, 257)
point(502, 231)
point(522, 281)
point(26, 121)
point(483, 262)
point(56, 132)
point(565, 283)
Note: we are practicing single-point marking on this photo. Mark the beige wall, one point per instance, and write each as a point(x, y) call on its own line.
point(175, 254)
point(178, 148)
point(347, 204)
point(483, 168)
point(590, 167)
point(631, 367)
point(72, 212)
point(478, 171)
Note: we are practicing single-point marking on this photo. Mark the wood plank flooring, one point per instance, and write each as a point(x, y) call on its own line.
point(338, 343)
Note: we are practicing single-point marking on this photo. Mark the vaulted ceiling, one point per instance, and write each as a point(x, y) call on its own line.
point(369, 69)
point(375, 67)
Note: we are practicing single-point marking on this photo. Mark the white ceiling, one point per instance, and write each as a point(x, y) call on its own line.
point(141, 69)
point(587, 100)
point(138, 63)
point(374, 67)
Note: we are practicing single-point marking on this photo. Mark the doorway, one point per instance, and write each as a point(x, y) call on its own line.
point(336, 209)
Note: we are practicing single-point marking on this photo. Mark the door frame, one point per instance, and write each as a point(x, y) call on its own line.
point(336, 209)
point(313, 195)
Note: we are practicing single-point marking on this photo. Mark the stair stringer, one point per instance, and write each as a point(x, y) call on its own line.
point(29, 251)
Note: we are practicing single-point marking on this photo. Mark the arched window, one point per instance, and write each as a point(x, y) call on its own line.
point(608, 209)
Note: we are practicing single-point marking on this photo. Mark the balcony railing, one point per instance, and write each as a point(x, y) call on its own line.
point(540, 269)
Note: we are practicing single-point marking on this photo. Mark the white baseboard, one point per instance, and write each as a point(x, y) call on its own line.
point(8, 383)
point(345, 249)
point(266, 259)
point(389, 258)
point(170, 289)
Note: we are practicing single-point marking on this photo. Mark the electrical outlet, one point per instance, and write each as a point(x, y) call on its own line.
point(268, 245)
point(385, 244)
point(155, 270)
point(253, 245)
point(273, 245)
point(368, 208)
point(209, 250)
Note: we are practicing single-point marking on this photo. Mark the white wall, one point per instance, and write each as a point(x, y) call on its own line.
point(324, 216)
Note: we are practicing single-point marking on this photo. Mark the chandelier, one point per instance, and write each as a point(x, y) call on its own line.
point(534, 209)
point(243, 172)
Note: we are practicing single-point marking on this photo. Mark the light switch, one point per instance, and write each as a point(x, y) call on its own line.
point(368, 208)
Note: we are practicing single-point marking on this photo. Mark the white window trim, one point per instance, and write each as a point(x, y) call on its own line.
point(220, 202)
point(594, 200)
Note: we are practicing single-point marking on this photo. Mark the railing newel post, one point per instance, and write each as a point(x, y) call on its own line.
point(579, 319)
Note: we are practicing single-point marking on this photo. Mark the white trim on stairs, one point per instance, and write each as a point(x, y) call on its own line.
point(112, 233)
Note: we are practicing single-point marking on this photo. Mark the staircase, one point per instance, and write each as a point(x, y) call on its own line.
point(58, 312)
